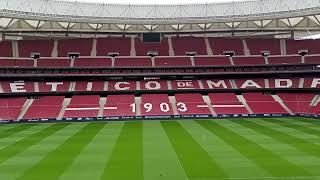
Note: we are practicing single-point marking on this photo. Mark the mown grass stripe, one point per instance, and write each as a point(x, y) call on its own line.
point(15, 129)
point(229, 159)
point(16, 166)
point(160, 159)
point(196, 162)
point(271, 162)
point(57, 161)
point(298, 143)
point(24, 143)
point(289, 124)
point(89, 165)
point(126, 161)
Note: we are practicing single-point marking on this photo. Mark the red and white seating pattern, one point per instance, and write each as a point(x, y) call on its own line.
point(120, 105)
point(83, 106)
point(130, 85)
point(263, 104)
point(227, 103)
point(299, 103)
point(45, 107)
point(11, 107)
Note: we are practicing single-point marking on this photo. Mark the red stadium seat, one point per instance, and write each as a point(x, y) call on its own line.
point(45, 107)
point(82, 46)
point(5, 49)
point(181, 45)
point(27, 47)
point(113, 45)
point(212, 61)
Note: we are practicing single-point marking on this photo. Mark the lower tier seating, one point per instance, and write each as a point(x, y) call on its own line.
point(147, 105)
point(263, 104)
point(227, 103)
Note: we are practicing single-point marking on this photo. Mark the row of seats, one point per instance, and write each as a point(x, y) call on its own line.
point(130, 85)
point(180, 45)
point(158, 105)
point(161, 61)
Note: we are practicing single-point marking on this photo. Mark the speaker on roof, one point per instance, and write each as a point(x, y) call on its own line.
point(151, 37)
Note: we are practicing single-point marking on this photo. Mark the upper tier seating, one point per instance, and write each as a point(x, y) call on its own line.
point(285, 60)
point(221, 45)
point(6, 49)
point(120, 105)
point(191, 104)
point(27, 47)
point(11, 107)
point(16, 63)
point(249, 60)
point(45, 107)
point(227, 103)
point(82, 46)
point(83, 106)
point(263, 104)
point(133, 62)
point(294, 46)
point(92, 62)
point(181, 45)
point(312, 59)
point(212, 61)
point(172, 61)
point(256, 46)
point(113, 45)
point(143, 48)
point(54, 63)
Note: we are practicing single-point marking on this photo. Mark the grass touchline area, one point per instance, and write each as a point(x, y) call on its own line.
point(218, 149)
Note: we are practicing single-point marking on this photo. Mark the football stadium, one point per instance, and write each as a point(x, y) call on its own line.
point(224, 90)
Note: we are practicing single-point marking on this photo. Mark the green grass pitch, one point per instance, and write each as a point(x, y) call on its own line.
point(229, 149)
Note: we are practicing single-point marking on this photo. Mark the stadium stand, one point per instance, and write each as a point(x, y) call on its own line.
point(16, 63)
point(285, 60)
point(43, 47)
point(92, 62)
point(120, 105)
point(172, 62)
point(81, 46)
point(54, 63)
point(122, 46)
point(44, 107)
point(161, 48)
point(227, 103)
point(221, 45)
point(164, 103)
point(249, 60)
point(133, 62)
point(212, 61)
point(294, 46)
point(263, 104)
point(11, 107)
point(257, 46)
point(155, 104)
point(299, 103)
point(191, 104)
point(83, 106)
point(6, 49)
point(182, 45)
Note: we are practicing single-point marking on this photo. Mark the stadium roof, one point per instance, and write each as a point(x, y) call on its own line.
point(243, 16)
